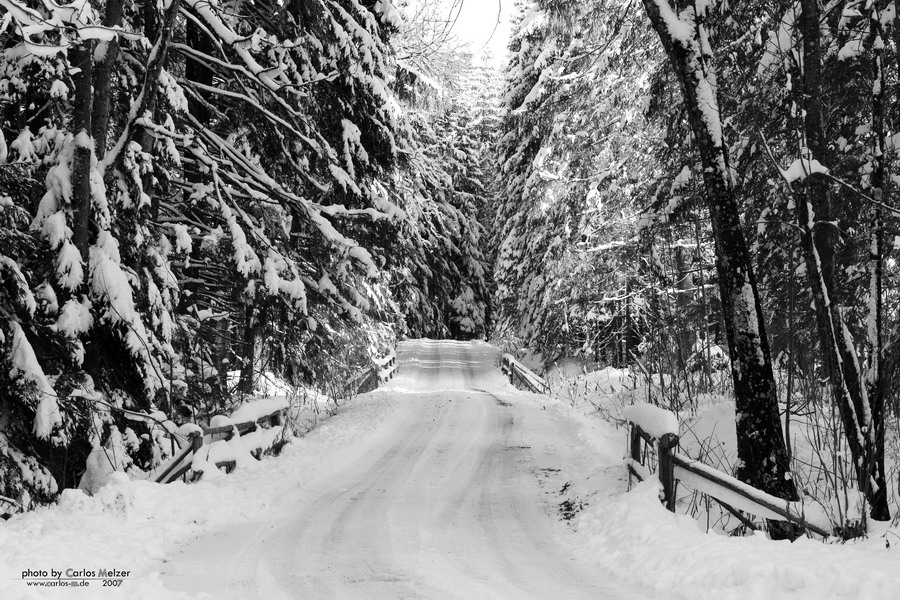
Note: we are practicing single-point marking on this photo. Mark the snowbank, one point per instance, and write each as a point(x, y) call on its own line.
point(136, 525)
point(633, 537)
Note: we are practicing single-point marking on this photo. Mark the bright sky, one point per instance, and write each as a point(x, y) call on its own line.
point(477, 20)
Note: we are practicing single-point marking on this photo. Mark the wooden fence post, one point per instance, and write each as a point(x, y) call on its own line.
point(635, 443)
point(667, 445)
point(196, 441)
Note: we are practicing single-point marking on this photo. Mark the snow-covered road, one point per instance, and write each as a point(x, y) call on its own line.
point(454, 495)
point(446, 483)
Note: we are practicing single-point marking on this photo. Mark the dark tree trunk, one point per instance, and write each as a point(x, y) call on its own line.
point(761, 449)
point(81, 57)
point(161, 34)
point(814, 131)
point(156, 61)
point(683, 287)
point(859, 399)
point(108, 51)
point(248, 350)
point(876, 484)
point(196, 71)
point(896, 104)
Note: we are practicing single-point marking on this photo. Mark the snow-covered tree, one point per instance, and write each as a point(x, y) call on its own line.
point(197, 188)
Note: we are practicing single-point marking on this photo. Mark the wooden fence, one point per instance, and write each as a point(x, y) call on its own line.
point(521, 376)
point(673, 466)
point(381, 371)
point(181, 463)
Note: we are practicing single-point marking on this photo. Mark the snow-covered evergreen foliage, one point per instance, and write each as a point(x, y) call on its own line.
point(807, 120)
point(451, 106)
point(576, 155)
point(192, 188)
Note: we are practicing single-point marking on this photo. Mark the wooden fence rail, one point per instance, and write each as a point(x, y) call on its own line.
point(386, 367)
point(181, 463)
point(673, 466)
point(381, 371)
point(521, 376)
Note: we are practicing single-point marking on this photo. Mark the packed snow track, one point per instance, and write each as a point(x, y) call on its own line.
point(454, 495)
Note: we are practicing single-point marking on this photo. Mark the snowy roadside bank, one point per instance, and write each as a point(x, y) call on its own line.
point(630, 534)
point(634, 537)
point(136, 525)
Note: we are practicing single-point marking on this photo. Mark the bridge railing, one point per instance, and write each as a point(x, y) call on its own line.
point(196, 437)
point(381, 371)
point(386, 367)
point(733, 494)
point(521, 376)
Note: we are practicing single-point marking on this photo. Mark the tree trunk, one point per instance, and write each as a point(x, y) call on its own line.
point(197, 71)
point(81, 58)
point(155, 63)
point(761, 450)
point(875, 483)
point(107, 53)
point(683, 297)
point(814, 131)
point(248, 348)
point(896, 105)
point(626, 334)
point(860, 402)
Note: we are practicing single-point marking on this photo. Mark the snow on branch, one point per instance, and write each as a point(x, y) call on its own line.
point(73, 23)
point(25, 362)
point(272, 78)
point(310, 210)
point(111, 285)
point(802, 168)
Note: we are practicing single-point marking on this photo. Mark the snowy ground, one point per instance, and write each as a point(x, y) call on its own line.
point(447, 483)
point(690, 555)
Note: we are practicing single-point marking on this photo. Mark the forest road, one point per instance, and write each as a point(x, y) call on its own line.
point(458, 499)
